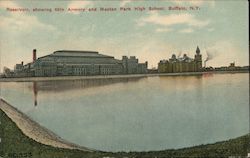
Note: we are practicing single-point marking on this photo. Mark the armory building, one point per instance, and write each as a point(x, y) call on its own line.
point(72, 63)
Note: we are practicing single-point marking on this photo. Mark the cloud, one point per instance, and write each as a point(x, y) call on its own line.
point(168, 21)
point(125, 2)
point(172, 19)
point(78, 4)
point(202, 2)
point(153, 51)
point(164, 30)
point(196, 2)
point(23, 22)
point(188, 30)
point(227, 51)
point(8, 3)
point(17, 35)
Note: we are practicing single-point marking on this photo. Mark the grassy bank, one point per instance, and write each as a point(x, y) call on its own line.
point(14, 144)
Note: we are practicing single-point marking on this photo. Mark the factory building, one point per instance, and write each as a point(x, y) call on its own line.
point(78, 63)
point(181, 64)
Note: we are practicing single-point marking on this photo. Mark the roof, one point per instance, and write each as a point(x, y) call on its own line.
point(77, 53)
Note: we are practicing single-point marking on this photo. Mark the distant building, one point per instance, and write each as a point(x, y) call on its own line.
point(232, 67)
point(131, 65)
point(7, 72)
point(78, 63)
point(182, 64)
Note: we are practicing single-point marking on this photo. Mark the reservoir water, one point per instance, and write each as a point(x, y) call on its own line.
point(138, 114)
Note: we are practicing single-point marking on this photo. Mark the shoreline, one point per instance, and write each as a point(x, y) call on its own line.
point(35, 131)
point(58, 78)
point(28, 145)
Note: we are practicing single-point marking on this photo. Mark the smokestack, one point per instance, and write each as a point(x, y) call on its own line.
point(34, 55)
point(22, 62)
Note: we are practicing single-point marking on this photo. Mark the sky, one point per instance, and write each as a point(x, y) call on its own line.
point(219, 28)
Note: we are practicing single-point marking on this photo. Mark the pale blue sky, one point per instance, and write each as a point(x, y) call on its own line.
point(220, 27)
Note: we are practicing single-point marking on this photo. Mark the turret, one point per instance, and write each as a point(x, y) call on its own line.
point(198, 59)
point(174, 56)
point(198, 50)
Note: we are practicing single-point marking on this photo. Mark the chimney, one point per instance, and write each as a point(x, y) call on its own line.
point(34, 55)
point(22, 63)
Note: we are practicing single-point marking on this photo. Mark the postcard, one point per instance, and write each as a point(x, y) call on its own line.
point(128, 78)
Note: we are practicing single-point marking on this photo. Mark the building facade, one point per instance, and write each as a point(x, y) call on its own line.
point(131, 65)
point(78, 63)
point(181, 64)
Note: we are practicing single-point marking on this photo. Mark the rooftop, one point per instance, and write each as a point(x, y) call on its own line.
point(76, 53)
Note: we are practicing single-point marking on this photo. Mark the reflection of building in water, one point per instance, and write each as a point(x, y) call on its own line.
point(69, 63)
point(208, 74)
point(182, 64)
point(65, 85)
point(35, 92)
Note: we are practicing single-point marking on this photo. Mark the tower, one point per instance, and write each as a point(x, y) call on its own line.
point(198, 60)
point(34, 55)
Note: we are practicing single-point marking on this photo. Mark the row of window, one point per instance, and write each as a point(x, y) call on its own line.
point(80, 71)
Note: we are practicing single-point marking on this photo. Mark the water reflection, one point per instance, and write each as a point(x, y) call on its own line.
point(208, 74)
point(61, 86)
point(35, 91)
point(153, 113)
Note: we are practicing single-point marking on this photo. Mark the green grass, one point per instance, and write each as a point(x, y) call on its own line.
point(14, 144)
